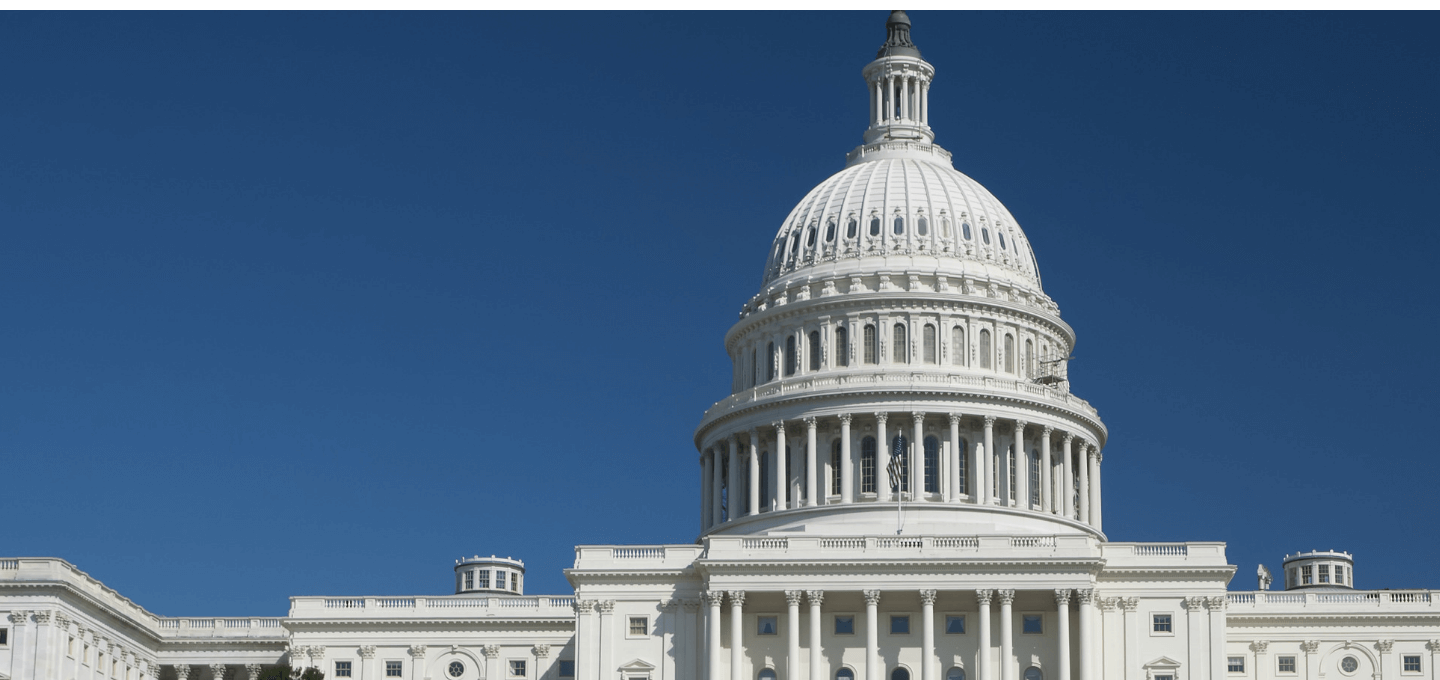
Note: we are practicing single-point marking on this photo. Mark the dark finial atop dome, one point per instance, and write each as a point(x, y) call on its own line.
point(897, 37)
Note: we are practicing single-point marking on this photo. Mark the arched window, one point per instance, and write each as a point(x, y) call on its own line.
point(1033, 673)
point(770, 362)
point(842, 346)
point(956, 673)
point(965, 229)
point(795, 243)
point(900, 674)
point(764, 479)
point(1029, 359)
point(899, 451)
point(844, 674)
point(852, 228)
point(899, 225)
point(928, 339)
point(958, 350)
point(932, 465)
point(810, 238)
point(1034, 477)
point(985, 353)
point(766, 674)
point(944, 227)
point(830, 230)
point(899, 355)
point(871, 356)
point(874, 226)
point(922, 227)
point(964, 452)
point(867, 465)
point(754, 368)
point(1009, 353)
point(790, 355)
point(1001, 234)
point(985, 235)
point(814, 350)
point(835, 468)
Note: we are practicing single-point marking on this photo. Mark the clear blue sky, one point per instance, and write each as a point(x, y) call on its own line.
point(314, 303)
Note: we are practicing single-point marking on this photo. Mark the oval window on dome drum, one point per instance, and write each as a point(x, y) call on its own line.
point(965, 229)
point(852, 229)
point(899, 225)
point(922, 227)
point(456, 669)
point(810, 239)
point(794, 243)
point(874, 226)
point(985, 235)
point(1001, 234)
point(830, 231)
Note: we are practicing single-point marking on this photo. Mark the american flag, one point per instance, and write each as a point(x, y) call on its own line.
point(896, 468)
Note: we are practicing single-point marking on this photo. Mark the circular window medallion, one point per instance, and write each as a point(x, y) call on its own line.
point(1349, 664)
point(456, 669)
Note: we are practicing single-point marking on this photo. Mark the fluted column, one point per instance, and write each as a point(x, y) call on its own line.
point(954, 489)
point(792, 634)
point(782, 478)
point(737, 640)
point(716, 483)
point(882, 456)
point(1047, 484)
point(1095, 496)
point(734, 502)
point(1086, 597)
point(1262, 670)
point(847, 464)
point(492, 660)
point(815, 597)
point(19, 641)
point(811, 495)
point(753, 484)
point(1022, 468)
point(713, 600)
point(985, 668)
point(43, 632)
point(1084, 470)
point(1067, 483)
point(917, 457)
point(605, 611)
point(990, 484)
point(872, 635)
point(927, 635)
point(367, 654)
point(1062, 632)
point(1007, 634)
point(905, 98)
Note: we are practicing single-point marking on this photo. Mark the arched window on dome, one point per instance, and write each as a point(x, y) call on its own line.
point(985, 235)
point(900, 449)
point(900, 355)
point(794, 243)
point(1001, 234)
point(842, 345)
point(964, 455)
point(1033, 673)
point(852, 228)
point(770, 362)
point(766, 674)
point(900, 674)
point(875, 226)
point(928, 340)
point(955, 673)
point(754, 368)
point(965, 230)
point(810, 238)
point(844, 674)
point(958, 350)
point(830, 231)
point(1034, 468)
point(790, 355)
point(871, 356)
point(922, 226)
point(765, 479)
point(944, 227)
point(1009, 353)
point(1029, 358)
point(814, 350)
point(867, 465)
point(835, 468)
point(932, 465)
point(986, 354)
point(899, 225)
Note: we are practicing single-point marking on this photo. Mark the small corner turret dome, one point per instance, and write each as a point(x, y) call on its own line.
point(1319, 569)
point(489, 575)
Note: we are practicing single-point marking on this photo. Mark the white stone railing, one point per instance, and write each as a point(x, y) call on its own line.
point(638, 553)
point(192, 627)
point(848, 380)
point(1162, 549)
point(636, 556)
point(1262, 600)
point(821, 547)
point(440, 606)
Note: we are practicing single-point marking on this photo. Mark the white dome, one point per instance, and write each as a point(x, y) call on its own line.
point(947, 222)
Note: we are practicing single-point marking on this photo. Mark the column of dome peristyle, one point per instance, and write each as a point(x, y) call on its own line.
point(899, 87)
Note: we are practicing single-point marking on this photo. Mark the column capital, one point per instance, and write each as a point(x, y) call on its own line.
point(1129, 604)
point(62, 619)
point(1259, 646)
point(1385, 646)
point(254, 670)
point(1107, 604)
point(19, 617)
point(1062, 597)
point(217, 670)
point(316, 653)
point(737, 598)
point(153, 668)
point(690, 606)
point(1217, 603)
point(1085, 595)
point(918, 417)
point(816, 597)
point(1433, 646)
point(871, 596)
point(1020, 426)
point(755, 435)
point(1195, 603)
point(1045, 431)
point(882, 417)
point(367, 651)
point(927, 596)
point(1007, 597)
point(779, 426)
point(490, 651)
point(42, 617)
point(605, 606)
point(810, 422)
point(713, 598)
point(540, 651)
point(182, 671)
point(792, 597)
point(1067, 438)
point(955, 418)
point(1310, 646)
point(845, 418)
point(984, 596)
point(584, 606)
point(989, 421)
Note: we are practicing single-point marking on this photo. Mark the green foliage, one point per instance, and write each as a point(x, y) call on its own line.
point(285, 672)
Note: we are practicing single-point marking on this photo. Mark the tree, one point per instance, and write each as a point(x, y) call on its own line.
point(285, 672)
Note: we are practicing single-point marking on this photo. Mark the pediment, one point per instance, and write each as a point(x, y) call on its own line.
point(638, 665)
point(1163, 662)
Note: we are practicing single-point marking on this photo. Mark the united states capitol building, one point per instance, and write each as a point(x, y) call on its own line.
point(901, 485)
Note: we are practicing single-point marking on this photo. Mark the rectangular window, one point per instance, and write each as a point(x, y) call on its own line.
point(844, 624)
point(567, 668)
point(1235, 664)
point(899, 624)
point(766, 625)
point(515, 581)
point(1032, 624)
point(955, 624)
point(901, 349)
point(1324, 573)
point(69, 647)
point(1339, 575)
point(499, 579)
point(342, 669)
point(1306, 575)
point(1410, 664)
point(484, 578)
point(1160, 623)
point(957, 346)
point(639, 626)
point(870, 353)
point(392, 669)
point(517, 668)
point(1285, 664)
point(470, 580)
point(1294, 580)
point(1166, 676)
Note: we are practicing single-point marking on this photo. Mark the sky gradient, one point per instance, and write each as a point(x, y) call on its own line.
point(314, 303)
